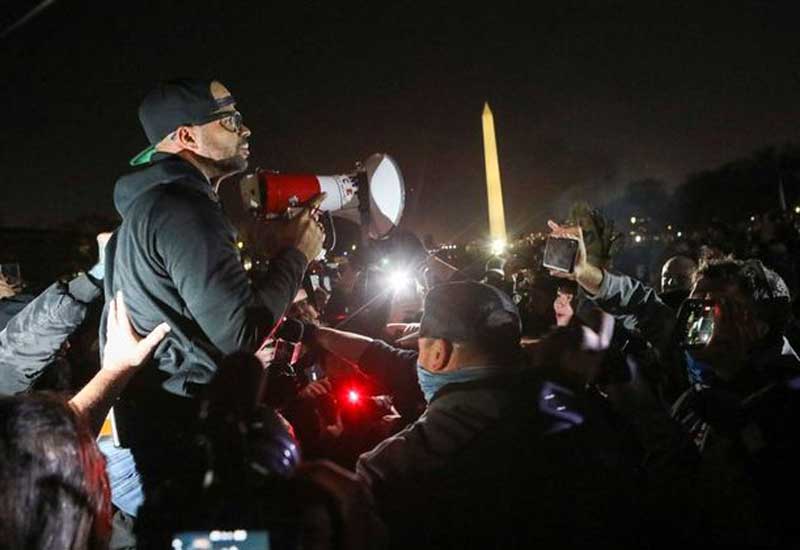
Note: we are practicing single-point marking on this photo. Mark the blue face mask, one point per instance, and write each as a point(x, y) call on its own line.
point(698, 371)
point(431, 383)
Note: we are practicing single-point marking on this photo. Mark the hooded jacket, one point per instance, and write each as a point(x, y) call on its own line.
point(175, 258)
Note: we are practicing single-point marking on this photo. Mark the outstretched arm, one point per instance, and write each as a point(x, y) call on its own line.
point(346, 345)
point(125, 351)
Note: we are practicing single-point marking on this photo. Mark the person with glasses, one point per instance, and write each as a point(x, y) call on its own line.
point(742, 407)
point(175, 257)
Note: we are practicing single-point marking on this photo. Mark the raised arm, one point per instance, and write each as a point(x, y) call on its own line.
point(634, 303)
point(346, 345)
point(125, 351)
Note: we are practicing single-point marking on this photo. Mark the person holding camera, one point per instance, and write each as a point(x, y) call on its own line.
point(740, 410)
point(175, 257)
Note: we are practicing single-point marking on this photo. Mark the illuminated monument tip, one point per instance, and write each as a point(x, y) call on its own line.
point(494, 190)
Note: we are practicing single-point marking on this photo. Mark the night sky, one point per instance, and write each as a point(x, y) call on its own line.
point(585, 100)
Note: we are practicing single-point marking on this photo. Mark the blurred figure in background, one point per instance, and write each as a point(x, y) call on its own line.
point(676, 280)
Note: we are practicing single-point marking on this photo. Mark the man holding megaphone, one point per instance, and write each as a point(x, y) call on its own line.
point(175, 257)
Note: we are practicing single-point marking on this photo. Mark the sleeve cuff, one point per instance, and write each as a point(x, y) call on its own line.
point(295, 256)
point(84, 289)
point(605, 285)
point(97, 271)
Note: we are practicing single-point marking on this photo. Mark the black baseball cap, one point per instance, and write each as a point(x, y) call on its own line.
point(180, 102)
point(468, 311)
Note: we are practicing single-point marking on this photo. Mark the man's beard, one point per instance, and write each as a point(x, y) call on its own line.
point(231, 165)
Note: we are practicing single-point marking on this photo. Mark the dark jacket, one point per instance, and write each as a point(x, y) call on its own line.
point(746, 430)
point(175, 258)
point(741, 427)
point(501, 463)
point(30, 340)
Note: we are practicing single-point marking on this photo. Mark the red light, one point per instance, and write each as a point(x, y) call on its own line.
point(353, 397)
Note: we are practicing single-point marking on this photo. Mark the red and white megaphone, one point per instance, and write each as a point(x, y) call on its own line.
point(373, 196)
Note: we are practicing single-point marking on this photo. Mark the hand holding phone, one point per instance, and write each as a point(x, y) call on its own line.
point(560, 254)
point(588, 276)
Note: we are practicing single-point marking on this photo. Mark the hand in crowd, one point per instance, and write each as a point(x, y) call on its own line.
point(590, 277)
point(124, 352)
point(7, 290)
point(403, 335)
point(573, 356)
point(124, 348)
point(102, 241)
point(315, 389)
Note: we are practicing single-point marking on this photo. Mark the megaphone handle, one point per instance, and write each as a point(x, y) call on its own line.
point(330, 232)
point(363, 204)
point(308, 286)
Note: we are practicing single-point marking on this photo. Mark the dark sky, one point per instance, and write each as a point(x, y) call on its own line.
point(585, 100)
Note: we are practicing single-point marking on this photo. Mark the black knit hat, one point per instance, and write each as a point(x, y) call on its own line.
point(468, 311)
point(182, 102)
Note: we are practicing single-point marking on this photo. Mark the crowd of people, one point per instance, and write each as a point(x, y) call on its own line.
point(169, 397)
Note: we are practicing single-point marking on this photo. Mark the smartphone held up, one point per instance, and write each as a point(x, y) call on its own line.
point(560, 254)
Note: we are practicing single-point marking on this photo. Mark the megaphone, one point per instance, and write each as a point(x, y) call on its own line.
point(372, 196)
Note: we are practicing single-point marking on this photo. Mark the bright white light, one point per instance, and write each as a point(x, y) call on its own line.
point(669, 228)
point(353, 247)
point(797, 209)
point(680, 234)
point(353, 396)
point(633, 220)
point(498, 246)
point(385, 261)
point(398, 280)
point(752, 218)
point(638, 238)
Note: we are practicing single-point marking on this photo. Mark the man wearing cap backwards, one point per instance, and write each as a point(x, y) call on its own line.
point(175, 258)
point(500, 458)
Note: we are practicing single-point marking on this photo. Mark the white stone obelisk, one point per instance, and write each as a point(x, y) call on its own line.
point(494, 190)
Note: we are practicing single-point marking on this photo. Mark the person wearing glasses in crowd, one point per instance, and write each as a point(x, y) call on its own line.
point(741, 408)
point(176, 259)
